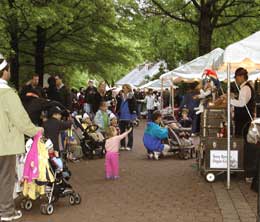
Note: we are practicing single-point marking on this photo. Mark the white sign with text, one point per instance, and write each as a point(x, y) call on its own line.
point(218, 159)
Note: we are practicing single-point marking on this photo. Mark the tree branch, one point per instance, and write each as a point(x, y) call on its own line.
point(231, 21)
point(196, 4)
point(218, 13)
point(172, 15)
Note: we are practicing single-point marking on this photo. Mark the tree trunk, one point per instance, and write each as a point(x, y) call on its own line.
point(13, 29)
point(39, 52)
point(205, 31)
point(15, 59)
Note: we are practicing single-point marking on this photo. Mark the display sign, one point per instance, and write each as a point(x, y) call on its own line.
point(218, 159)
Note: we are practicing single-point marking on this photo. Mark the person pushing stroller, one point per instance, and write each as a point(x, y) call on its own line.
point(153, 136)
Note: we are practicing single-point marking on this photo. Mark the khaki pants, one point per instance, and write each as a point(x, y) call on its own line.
point(7, 181)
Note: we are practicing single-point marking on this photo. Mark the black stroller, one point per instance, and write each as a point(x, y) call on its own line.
point(55, 190)
point(90, 144)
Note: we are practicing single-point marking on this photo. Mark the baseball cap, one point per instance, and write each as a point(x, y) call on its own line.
point(112, 116)
point(85, 116)
point(54, 110)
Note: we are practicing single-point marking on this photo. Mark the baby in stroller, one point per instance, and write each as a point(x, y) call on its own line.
point(153, 136)
point(91, 140)
point(180, 136)
point(185, 127)
point(45, 174)
point(60, 188)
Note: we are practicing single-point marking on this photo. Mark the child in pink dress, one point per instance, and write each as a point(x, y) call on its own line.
point(112, 152)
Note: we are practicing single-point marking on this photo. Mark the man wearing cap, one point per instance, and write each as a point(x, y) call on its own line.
point(246, 98)
point(244, 104)
point(14, 122)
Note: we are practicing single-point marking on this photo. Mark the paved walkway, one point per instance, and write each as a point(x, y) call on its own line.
point(149, 191)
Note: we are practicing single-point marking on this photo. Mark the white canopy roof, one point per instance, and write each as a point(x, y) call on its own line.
point(156, 84)
point(194, 69)
point(244, 53)
point(137, 76)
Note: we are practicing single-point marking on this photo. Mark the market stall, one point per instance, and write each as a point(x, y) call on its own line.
point(246, 54)
point(220, 154)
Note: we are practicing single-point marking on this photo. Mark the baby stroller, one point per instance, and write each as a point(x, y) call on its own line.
point(55, 187)
point(91, 141)
point(181, 145)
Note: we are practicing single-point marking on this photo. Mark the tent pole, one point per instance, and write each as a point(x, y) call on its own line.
point(228, 126)
point(173, 99)
point(161, 93)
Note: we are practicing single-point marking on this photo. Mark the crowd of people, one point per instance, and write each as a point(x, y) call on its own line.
point(51, 111)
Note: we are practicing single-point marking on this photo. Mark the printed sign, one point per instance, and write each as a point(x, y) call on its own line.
point(218, 159)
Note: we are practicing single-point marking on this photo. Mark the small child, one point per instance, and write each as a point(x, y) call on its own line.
point(114, 122)
point(54, 155)
point(86, 123)
point(185, 122)
point(102, 117)
point(112, 146)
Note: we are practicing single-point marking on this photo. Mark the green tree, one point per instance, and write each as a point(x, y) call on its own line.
point(205, 15)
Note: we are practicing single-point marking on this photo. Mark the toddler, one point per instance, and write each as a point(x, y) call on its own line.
point(102, 117)
point(185, 122)
point(114, 122)
point(112, 146)
point(54, 155)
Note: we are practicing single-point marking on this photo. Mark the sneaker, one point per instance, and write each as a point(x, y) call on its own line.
point(116, 177)
point(17, 214)
point(109, 177)
point(150, 156)
point(156, 155)
point(122, 148)
point(128, 148)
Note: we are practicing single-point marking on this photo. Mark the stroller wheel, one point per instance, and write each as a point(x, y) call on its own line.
point(77, 198)
point(210, 177)
point(26, 204)
point(72, 199)
point(49, 209)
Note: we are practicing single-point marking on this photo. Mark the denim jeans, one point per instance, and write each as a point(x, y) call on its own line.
point(124, 125)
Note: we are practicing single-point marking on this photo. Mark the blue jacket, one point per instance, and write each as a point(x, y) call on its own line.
point(153, 135)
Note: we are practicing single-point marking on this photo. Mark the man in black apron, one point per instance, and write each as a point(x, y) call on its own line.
point(242, 118)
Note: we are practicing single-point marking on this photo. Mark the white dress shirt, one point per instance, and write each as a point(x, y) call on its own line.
point(244, 96)
point(150, 102)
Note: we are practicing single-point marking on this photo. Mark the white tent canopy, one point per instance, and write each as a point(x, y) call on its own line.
point(246, 54)
point(157, 84)
point(194, 69)
point(137, 76)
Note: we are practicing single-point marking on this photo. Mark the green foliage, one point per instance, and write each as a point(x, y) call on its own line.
point(106, 39)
